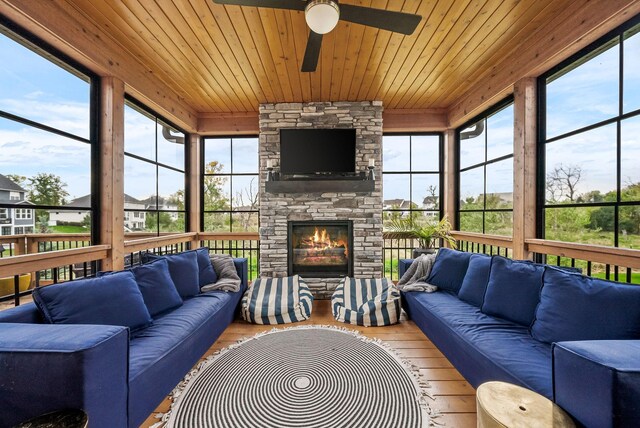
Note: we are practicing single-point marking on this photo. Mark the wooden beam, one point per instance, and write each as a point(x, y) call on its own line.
point(524, 166)
point(112, 171)
point(18, 265)
point(621, 257)
point(245, 123)
point(193, 183)
point(61, 25)
point(562, 36)
point(414, 120)
point(159, 241)
point(450, 175)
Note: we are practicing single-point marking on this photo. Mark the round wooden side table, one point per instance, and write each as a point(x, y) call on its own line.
point(502, 404)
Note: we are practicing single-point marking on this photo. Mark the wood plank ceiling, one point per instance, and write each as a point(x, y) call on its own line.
point(231, 59)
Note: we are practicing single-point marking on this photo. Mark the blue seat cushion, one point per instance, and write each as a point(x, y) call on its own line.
point(158, 290)
point(111, 300)
point(598, 382)
point(475, 280)
point(513, 290)
point(207, 275)
point(576, 307)
point(162, 353)
point(482, 347)
point(184, 271)
point(449, 269)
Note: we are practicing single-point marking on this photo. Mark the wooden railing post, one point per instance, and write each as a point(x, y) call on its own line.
point(524, 166)
point(450, 176)
point(112, 171)
point(193, 184)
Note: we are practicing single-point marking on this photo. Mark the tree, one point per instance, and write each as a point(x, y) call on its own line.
point(562, 181)
point(247, 199)
point(47, 189)
point(214, 197)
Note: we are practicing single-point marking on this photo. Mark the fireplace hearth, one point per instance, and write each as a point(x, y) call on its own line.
point(320, 249)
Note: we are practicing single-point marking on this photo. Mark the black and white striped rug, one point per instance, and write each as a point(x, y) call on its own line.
point(307, 376)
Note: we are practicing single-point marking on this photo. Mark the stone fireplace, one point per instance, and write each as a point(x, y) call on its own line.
point(320, 248)
point(362, 209)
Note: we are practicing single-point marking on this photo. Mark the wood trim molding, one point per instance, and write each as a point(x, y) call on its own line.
point(524, 165)
point(158, 241)
point(561, 37)
point(450, 175)
point(67, 29)
point(622, 257)
point(414, 120)
point(194, 183)
point(245, 123)
point(480, 238)
point(112, 171)
point(28, 263)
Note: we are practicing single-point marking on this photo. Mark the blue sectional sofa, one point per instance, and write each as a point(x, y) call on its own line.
point(119, 369)
point(573, 339)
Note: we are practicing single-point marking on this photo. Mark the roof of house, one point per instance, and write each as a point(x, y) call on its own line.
point(7, 184)
point(85, 201)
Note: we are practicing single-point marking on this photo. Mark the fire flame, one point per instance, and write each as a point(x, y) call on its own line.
point(321, 240)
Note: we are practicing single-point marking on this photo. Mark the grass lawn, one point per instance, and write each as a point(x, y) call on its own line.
point(69, 229)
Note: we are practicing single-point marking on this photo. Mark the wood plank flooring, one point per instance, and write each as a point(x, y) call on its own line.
point(453, 397)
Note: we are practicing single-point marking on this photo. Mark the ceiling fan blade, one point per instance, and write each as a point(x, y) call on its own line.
point(398, 22)
point(273, 4)
point(312, 52)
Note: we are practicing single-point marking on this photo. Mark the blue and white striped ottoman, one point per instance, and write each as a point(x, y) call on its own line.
point(366, 301)
point(277, 301)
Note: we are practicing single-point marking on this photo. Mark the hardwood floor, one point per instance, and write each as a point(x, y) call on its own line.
point(452, 396)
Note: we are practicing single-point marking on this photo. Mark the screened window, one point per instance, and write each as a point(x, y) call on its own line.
point(411, 177)
point(4, 214)
point(230, 184)
point(590, 144)
point(45, 139)
point(154, 172)
point(486, 172)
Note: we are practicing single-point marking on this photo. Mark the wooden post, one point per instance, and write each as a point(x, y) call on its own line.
point(450, 175)
point(193, 182)
point(524, 166)
point(112, 171)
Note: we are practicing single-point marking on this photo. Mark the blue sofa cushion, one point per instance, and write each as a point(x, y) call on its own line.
point(184, 271)
point(513, 291)
point(598, 382)
point(111, 300)
point(158, 290)
point(207, 275)
point(449, 269)
point(475, 280)
point(481, 347)
point(575, 307)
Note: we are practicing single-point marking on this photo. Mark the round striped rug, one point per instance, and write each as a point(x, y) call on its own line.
point(301, 377)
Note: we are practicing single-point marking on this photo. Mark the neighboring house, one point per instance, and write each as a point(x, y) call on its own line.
point(396, 204)
point(133, 220)
point(18, 220)
point(164, 204)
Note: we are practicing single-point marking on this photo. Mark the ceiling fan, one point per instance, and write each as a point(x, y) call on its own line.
point(322, 16)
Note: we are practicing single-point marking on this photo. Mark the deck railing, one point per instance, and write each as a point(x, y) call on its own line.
point(50, 258)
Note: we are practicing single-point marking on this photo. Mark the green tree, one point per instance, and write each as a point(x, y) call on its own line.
point(214, 196)
point(47, 189)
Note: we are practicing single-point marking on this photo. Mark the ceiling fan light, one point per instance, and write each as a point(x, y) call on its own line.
point(322, 15)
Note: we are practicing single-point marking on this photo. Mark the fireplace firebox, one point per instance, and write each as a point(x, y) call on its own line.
point(320, 249)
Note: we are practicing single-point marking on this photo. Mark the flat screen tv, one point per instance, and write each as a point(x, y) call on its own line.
point(317, 151)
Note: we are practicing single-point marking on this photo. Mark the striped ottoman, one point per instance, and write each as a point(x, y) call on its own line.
point(366, 302)
point(277, 301)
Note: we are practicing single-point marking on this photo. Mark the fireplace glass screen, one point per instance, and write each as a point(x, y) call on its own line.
point(321, 249)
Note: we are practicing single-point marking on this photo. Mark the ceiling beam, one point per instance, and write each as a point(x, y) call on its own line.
point(562, 36)
point(65, 28)
point(394, 120)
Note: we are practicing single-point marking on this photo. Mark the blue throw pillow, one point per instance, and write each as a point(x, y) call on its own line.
point(110, 300)
point(158, 290)
point(576, 307)
point(475, 280)
point(513, 291)
point(449, 269)
point(207, 273)
point(184, 271)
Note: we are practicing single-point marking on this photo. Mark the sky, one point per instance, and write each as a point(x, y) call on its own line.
point(37, 89)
